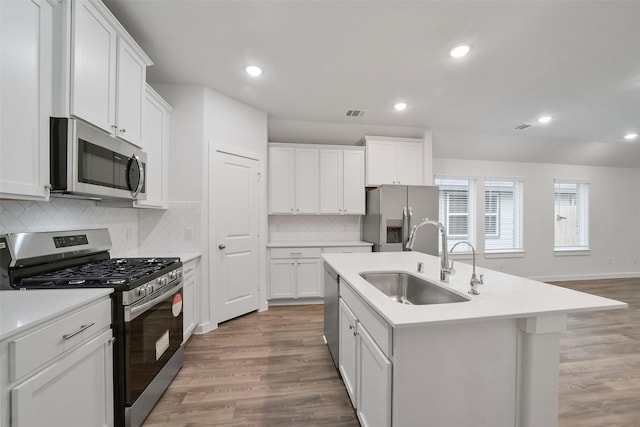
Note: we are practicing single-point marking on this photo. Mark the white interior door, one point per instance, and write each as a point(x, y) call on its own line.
point(235, 225)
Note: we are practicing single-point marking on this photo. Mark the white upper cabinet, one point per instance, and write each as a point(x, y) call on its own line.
point(131, 77)
point(342, 181)
point(306, 182)
point(394, 161)
point(25, 98)
point(93, 66)
point(155, 139)
point(281, 180)
point(293, 180)
point(316, 179)
point(103, 79)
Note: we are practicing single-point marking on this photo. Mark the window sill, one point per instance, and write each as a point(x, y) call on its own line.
point(572, 252)
point(505, 254)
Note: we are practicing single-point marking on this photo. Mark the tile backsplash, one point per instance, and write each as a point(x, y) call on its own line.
point(175, 230)
point(133, 231)
point(67, 214)
point(315, 228)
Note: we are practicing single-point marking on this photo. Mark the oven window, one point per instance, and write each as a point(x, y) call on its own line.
point(150, 341)
point(99, 166)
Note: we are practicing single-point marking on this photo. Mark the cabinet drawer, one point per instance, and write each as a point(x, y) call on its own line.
point(346, 249)
point(295, 253)
point(380, 331)
point(189, 269)
point(37, 348)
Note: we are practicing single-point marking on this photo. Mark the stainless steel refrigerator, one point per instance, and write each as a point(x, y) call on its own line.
point(392, 210)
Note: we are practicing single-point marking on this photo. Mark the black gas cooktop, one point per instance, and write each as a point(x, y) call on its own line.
point(116, 272)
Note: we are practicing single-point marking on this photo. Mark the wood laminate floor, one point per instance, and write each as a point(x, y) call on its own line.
point(273, 369)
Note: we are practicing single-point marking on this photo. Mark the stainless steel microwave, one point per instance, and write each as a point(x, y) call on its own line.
point(86, 162)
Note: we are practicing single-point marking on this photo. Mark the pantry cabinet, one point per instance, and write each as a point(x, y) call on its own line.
point(155, 139)
point(26, 29)
point(394, 161)
point(342, 181)
point(100, 70)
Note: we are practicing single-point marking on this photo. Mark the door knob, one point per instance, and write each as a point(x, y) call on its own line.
point(221, 246)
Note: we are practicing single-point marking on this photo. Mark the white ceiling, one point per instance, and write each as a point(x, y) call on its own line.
point(575, 60)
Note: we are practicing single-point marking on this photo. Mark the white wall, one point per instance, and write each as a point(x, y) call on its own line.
point(237, 128)
point(186, 143)
point(202, 122)
point(614, 209)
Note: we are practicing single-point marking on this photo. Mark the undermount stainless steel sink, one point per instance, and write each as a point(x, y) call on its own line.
point(406, 288)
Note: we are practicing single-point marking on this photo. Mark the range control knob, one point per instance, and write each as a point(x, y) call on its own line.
point(172, 275)
point(150, 289)
point(141, 291)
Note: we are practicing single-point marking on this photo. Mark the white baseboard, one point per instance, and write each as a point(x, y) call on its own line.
point(594, 276)
point(295, 301)
point(203, 328)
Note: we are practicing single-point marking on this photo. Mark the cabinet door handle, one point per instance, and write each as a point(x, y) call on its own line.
point(221, 246)
point(351, 326)
point(123, 130)
point(82, 328)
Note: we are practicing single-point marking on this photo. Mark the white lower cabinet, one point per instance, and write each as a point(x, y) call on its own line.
point(78, 389)
point(348, 350)
point(60, 372)
point(191, 280)
point(295, 273)
point(374, 382)
point(365, 368)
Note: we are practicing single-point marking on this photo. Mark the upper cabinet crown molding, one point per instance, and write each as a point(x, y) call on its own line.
point(99, 69)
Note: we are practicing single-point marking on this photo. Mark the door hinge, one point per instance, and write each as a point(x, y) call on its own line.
point(259, 176)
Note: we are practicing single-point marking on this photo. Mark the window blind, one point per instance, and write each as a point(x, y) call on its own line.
point(457, 210)
point(503, 215)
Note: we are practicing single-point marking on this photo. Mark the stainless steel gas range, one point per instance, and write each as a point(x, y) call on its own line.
point(146, 305)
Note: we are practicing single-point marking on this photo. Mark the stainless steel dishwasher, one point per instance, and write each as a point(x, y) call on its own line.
point(331, 312)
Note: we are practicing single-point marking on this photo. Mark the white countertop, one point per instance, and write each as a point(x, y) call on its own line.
point(501, 296)
point(184, 257)
point(318, 244)
point(20, 310)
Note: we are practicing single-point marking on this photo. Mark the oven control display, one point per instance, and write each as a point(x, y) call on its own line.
point(66, 241)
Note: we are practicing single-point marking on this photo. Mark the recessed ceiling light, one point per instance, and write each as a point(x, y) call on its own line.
point(545, 119)
point(460, 51)
point(400, 106)
point(253, 70)
point(630, 136)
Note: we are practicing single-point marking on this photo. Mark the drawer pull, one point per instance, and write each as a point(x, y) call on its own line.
point(82, 328)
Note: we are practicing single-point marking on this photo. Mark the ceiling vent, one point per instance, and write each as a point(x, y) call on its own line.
point(356, 113)
point(523, 126)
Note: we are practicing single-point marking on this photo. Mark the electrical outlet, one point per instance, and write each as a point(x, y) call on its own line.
point(188, 234)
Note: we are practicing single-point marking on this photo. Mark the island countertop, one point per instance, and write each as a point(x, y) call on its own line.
point(501, 296)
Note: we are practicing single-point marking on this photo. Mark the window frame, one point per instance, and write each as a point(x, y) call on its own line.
point(582, 217)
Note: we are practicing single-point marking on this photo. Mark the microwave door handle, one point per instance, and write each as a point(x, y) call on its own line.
point(141, 181)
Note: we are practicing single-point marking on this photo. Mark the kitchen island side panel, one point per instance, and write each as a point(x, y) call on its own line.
point(453, 375)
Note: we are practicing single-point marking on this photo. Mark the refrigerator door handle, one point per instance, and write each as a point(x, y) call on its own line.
point(405, 228)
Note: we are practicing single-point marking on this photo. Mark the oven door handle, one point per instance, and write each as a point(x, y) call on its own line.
point(133, 311)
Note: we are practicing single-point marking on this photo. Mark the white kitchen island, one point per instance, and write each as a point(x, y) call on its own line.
point(490, 361)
